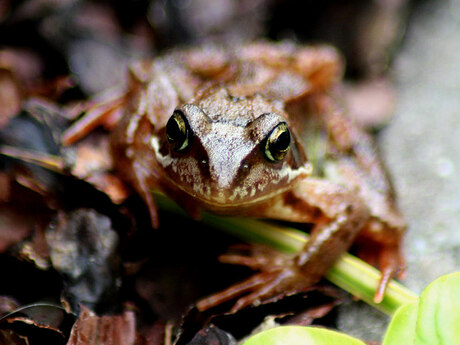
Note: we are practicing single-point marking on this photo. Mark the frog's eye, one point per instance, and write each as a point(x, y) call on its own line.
point(277, 143)
point(178, 131)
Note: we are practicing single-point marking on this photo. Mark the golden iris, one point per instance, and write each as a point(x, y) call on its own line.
point(178, 131)
point(278, 143)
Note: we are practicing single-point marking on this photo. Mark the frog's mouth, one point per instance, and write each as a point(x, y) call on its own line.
point(238, 197)
point(237, 194)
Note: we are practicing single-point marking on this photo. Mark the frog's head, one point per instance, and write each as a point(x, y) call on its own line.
point(230, 151)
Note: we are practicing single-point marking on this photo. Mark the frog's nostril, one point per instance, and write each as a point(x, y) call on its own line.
point(245, 167)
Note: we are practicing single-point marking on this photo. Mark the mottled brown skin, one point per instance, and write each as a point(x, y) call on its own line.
point(232, 99)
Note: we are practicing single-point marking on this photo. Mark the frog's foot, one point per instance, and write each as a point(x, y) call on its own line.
point(388, 258)
point(391, 266)
point(279, 276)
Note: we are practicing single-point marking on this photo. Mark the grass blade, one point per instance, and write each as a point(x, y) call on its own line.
point(349, 273)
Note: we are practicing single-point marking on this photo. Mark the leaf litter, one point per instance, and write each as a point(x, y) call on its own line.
point(84, 266)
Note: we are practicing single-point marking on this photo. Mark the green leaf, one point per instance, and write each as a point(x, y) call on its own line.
point(433, 319)
point(298, 335)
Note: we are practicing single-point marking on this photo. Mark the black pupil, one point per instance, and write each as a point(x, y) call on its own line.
point(175, 129)
point(281, 143)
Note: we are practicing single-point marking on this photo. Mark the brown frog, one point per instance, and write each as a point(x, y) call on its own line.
point(225, 130)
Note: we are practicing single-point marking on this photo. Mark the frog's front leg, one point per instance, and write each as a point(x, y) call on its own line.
point(337, 215)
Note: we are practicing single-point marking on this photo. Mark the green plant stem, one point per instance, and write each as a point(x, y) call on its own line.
point(349, 273)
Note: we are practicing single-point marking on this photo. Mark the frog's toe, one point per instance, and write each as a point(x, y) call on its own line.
point(253, 262)
point(387, 258)
point(257, 257)
point(231, 292)
point(272, 285)
point(262, 287)
point(392, 265)
point(279, 275)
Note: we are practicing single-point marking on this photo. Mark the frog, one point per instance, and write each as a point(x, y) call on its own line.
point(259, 130)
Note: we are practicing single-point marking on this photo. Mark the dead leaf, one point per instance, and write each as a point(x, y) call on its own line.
point(91, 329)
point(14, 227)
point(10, 96)
point(37, 324)
point(83, 247)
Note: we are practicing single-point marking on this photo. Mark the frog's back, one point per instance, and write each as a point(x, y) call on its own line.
point(278, 72)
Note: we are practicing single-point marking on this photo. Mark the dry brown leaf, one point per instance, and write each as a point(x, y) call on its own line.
point(91, 329)
point(10, 96)
point(14, 227)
